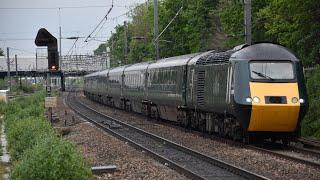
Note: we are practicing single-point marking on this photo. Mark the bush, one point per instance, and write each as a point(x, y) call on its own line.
point(24, 134)
point(36, 151)
point(26, 87)
point(311, 122)
point(52, 158)
point(3, 84)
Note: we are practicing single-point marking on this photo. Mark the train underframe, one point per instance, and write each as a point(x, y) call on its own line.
point(224, 125)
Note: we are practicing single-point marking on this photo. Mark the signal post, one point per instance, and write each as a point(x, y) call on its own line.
point(44, 38)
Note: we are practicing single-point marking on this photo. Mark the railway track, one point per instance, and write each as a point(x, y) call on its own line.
point(293, 153)
point(193, 164)
point(298, 155)
point(310, 143)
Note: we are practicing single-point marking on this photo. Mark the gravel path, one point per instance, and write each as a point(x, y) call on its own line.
point(100, 148)
point(258, 162)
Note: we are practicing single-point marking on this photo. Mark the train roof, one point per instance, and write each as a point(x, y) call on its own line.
point(264, 51)
point(260, 51)
point(119, 69)
point(212, 57)
point(138, 66)
point(103, 73)
point(92, 74)
point(173, 61)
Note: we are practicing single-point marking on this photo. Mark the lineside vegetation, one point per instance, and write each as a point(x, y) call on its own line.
point(36, 150)
point(311, 123)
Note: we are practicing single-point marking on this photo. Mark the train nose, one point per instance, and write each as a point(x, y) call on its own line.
point(275, 107)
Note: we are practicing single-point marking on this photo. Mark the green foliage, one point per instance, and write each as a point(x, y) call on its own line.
point(311, 123)
point(203, 24)
point(52, 158)
point(3, 84)
point(1, 52)
point(36, 151)
point(232, 19)
point(25, 123)
point(296, 28)
point(100, 50)
point(24, 134)
point(294, 24)
point(116, 44)
point(25, 87)
point(193, 30)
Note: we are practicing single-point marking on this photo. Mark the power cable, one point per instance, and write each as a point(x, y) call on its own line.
point(116, 17)
point(100, 28)
point(63, 7)
point(21, 50)
point(32, 39)
point(72, 46)
point(169, 24)
point(104, 18)
point(126, 13)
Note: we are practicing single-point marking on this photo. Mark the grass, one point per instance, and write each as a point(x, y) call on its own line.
point(16, 89)
point(3, 166)
point(37, 151)
point(3, 169)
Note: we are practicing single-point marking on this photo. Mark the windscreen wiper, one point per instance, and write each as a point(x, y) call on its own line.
point(262, 75)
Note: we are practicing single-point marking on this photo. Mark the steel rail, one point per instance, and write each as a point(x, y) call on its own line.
point(309, 142)
point(160, 158)
point(261, 149)
point(286, 156)
point(306, 150)
point(180, 168)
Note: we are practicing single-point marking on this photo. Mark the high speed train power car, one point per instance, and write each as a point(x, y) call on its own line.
point(255, 91)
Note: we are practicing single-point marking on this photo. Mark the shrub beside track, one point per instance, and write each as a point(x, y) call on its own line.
point(37, 151)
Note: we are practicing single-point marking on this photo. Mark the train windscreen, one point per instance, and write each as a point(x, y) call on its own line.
point(264, 70)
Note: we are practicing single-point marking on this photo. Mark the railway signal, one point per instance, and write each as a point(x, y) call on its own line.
point(44, 38)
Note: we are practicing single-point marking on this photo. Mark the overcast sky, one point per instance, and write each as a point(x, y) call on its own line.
point(21, 20)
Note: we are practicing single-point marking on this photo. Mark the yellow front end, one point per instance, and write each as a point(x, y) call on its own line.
point(274, 117)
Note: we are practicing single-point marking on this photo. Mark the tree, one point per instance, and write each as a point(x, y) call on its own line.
point(195, 29)
point(101, 49)
point(1, 52)
point(232, 18)
point(191, 30)
point(141, 30)
point(295, 24)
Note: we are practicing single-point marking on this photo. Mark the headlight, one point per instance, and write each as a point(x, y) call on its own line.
point(248, 100)
point(301, 101)
point(256, 99)
point(294, 100)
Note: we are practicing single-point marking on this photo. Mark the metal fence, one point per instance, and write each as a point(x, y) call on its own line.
point(74, 63)
point(83, 63)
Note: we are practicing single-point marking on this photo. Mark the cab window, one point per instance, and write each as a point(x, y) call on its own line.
point(264, 70)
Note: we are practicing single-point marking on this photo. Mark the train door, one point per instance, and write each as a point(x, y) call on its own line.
point(190, 86)
point(230, 85)
point(121, 83)
point(145, 89)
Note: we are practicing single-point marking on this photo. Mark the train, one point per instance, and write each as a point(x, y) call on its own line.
point(247, 93)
